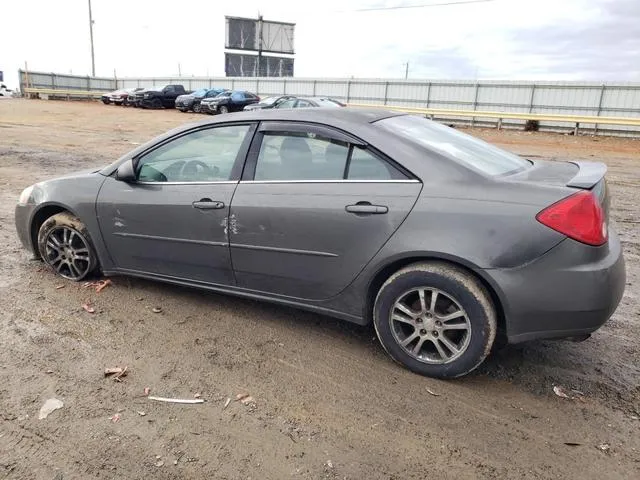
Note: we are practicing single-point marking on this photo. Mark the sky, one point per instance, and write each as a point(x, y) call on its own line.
point(591, 40)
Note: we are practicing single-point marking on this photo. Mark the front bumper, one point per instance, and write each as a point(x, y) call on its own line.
point(209, 107)
point(22, 217)
point(571, 290)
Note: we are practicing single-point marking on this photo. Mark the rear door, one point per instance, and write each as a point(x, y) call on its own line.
point(313, 207)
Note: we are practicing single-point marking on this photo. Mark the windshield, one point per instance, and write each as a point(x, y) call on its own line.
point(463, 148)
point(200, 93)
point(269, 100)
point(224, 94)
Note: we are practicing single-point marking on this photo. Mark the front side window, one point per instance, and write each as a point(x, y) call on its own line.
point(291, 156)
point(201, 156)
point(460, 147)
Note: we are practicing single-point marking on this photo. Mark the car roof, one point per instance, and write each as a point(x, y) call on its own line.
point(329, 116)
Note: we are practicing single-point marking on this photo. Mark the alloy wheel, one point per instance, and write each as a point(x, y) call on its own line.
point(67, 251)
point(430, 325)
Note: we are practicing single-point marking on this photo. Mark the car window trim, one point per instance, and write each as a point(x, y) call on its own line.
point(238, 164)
point(411, 180)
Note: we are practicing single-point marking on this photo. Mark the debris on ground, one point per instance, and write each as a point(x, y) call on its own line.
point(176, 400)
point(88, 308)
point(117, 373)
point(241, 396)
point(156, 309)
point(141, 413)
point(98, 285)
point(59, 287)
point(147, 391)
point(573, 394)
point(247, 400)
point(605, 447)
point(49, 406)
point(573, 444)
point(49, 371)
point(159, 463)
point(226, 404)
point(115, 418)
point(432, 393)
point(196, 395)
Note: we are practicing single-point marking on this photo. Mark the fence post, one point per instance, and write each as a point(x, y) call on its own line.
point(284, 86)
point(348, 90)
point(533, 92)
point(475, 103)
point(595, 130)
point(315, 82)
point(428, 93)
point(210, 82)
point(386, 92)
point(88, 83)
point(53, 80)
point(257, 86)
point(233, 84)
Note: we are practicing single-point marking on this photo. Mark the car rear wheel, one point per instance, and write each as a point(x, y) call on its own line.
point(106, 101)
point(223, 109)
point(65, 245)
point(197, 108)
point(156, 103)
point(436, 319)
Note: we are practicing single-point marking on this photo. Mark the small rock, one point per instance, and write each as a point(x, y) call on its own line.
point(157, 310)
point(49, 406)
point(159, 463)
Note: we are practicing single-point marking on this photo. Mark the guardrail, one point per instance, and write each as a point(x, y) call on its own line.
point(500, 116)
point(58, 92)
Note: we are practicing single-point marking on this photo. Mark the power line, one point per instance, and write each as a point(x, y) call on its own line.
point(401, 7)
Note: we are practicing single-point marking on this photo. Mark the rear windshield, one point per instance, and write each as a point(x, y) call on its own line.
point(470, 151)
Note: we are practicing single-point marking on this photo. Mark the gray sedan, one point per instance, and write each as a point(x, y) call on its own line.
point(446, 243)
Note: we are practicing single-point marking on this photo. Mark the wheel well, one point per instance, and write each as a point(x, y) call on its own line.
point(38, 219)
point(390, 269)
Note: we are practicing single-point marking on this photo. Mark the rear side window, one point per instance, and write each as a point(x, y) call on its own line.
point(298, 156)
point(364, 165)
point(462, 148)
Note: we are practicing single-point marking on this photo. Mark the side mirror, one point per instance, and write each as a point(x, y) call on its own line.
point(126, 172)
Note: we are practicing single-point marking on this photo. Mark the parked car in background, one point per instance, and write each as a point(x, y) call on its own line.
point(106, 98)
point(309, 102)
point(121, 97)
point(159, 97)
point(443, 241)
point(268, 102)
point(191, 101)
point(231, 101)
point(4, 91)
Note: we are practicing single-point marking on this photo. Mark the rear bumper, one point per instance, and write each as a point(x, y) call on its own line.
point(572, 290)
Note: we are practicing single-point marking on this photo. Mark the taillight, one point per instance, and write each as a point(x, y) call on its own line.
point(579, 216)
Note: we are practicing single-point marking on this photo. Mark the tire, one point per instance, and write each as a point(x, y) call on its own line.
point(470, 328)
point(106, 101)
point(183, 110)
point(156, 103)
point(65, 246)
point(197, 108)
point(223, 109)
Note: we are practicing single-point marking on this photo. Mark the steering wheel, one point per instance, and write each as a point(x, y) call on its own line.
point(192, 167)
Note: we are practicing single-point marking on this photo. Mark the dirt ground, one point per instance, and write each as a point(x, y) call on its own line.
point(328, 402)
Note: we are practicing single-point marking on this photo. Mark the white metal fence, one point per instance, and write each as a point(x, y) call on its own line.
point(564, 98)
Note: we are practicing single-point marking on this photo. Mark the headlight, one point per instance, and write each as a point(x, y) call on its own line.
point(24, 196)
point(147, 95)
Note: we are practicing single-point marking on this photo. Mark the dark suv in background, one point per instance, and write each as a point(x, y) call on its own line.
point(232, 101)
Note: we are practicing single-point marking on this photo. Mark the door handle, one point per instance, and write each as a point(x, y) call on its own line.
point(366, 208)
point(208, 204)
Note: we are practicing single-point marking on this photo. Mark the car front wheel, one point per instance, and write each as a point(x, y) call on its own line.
point(436, 319)
point(196, 108)
point(223, 109)
point(65, 245)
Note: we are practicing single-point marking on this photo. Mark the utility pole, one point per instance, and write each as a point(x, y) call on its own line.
point(93, 59)
point(179, 70)
point(259, 45)
point(406, 70)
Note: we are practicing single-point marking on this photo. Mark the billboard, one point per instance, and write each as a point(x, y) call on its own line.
point(244, 65)
point(245, 34)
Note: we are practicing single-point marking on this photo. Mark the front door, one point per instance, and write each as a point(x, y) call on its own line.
point(315, 209)
point(173, 220)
